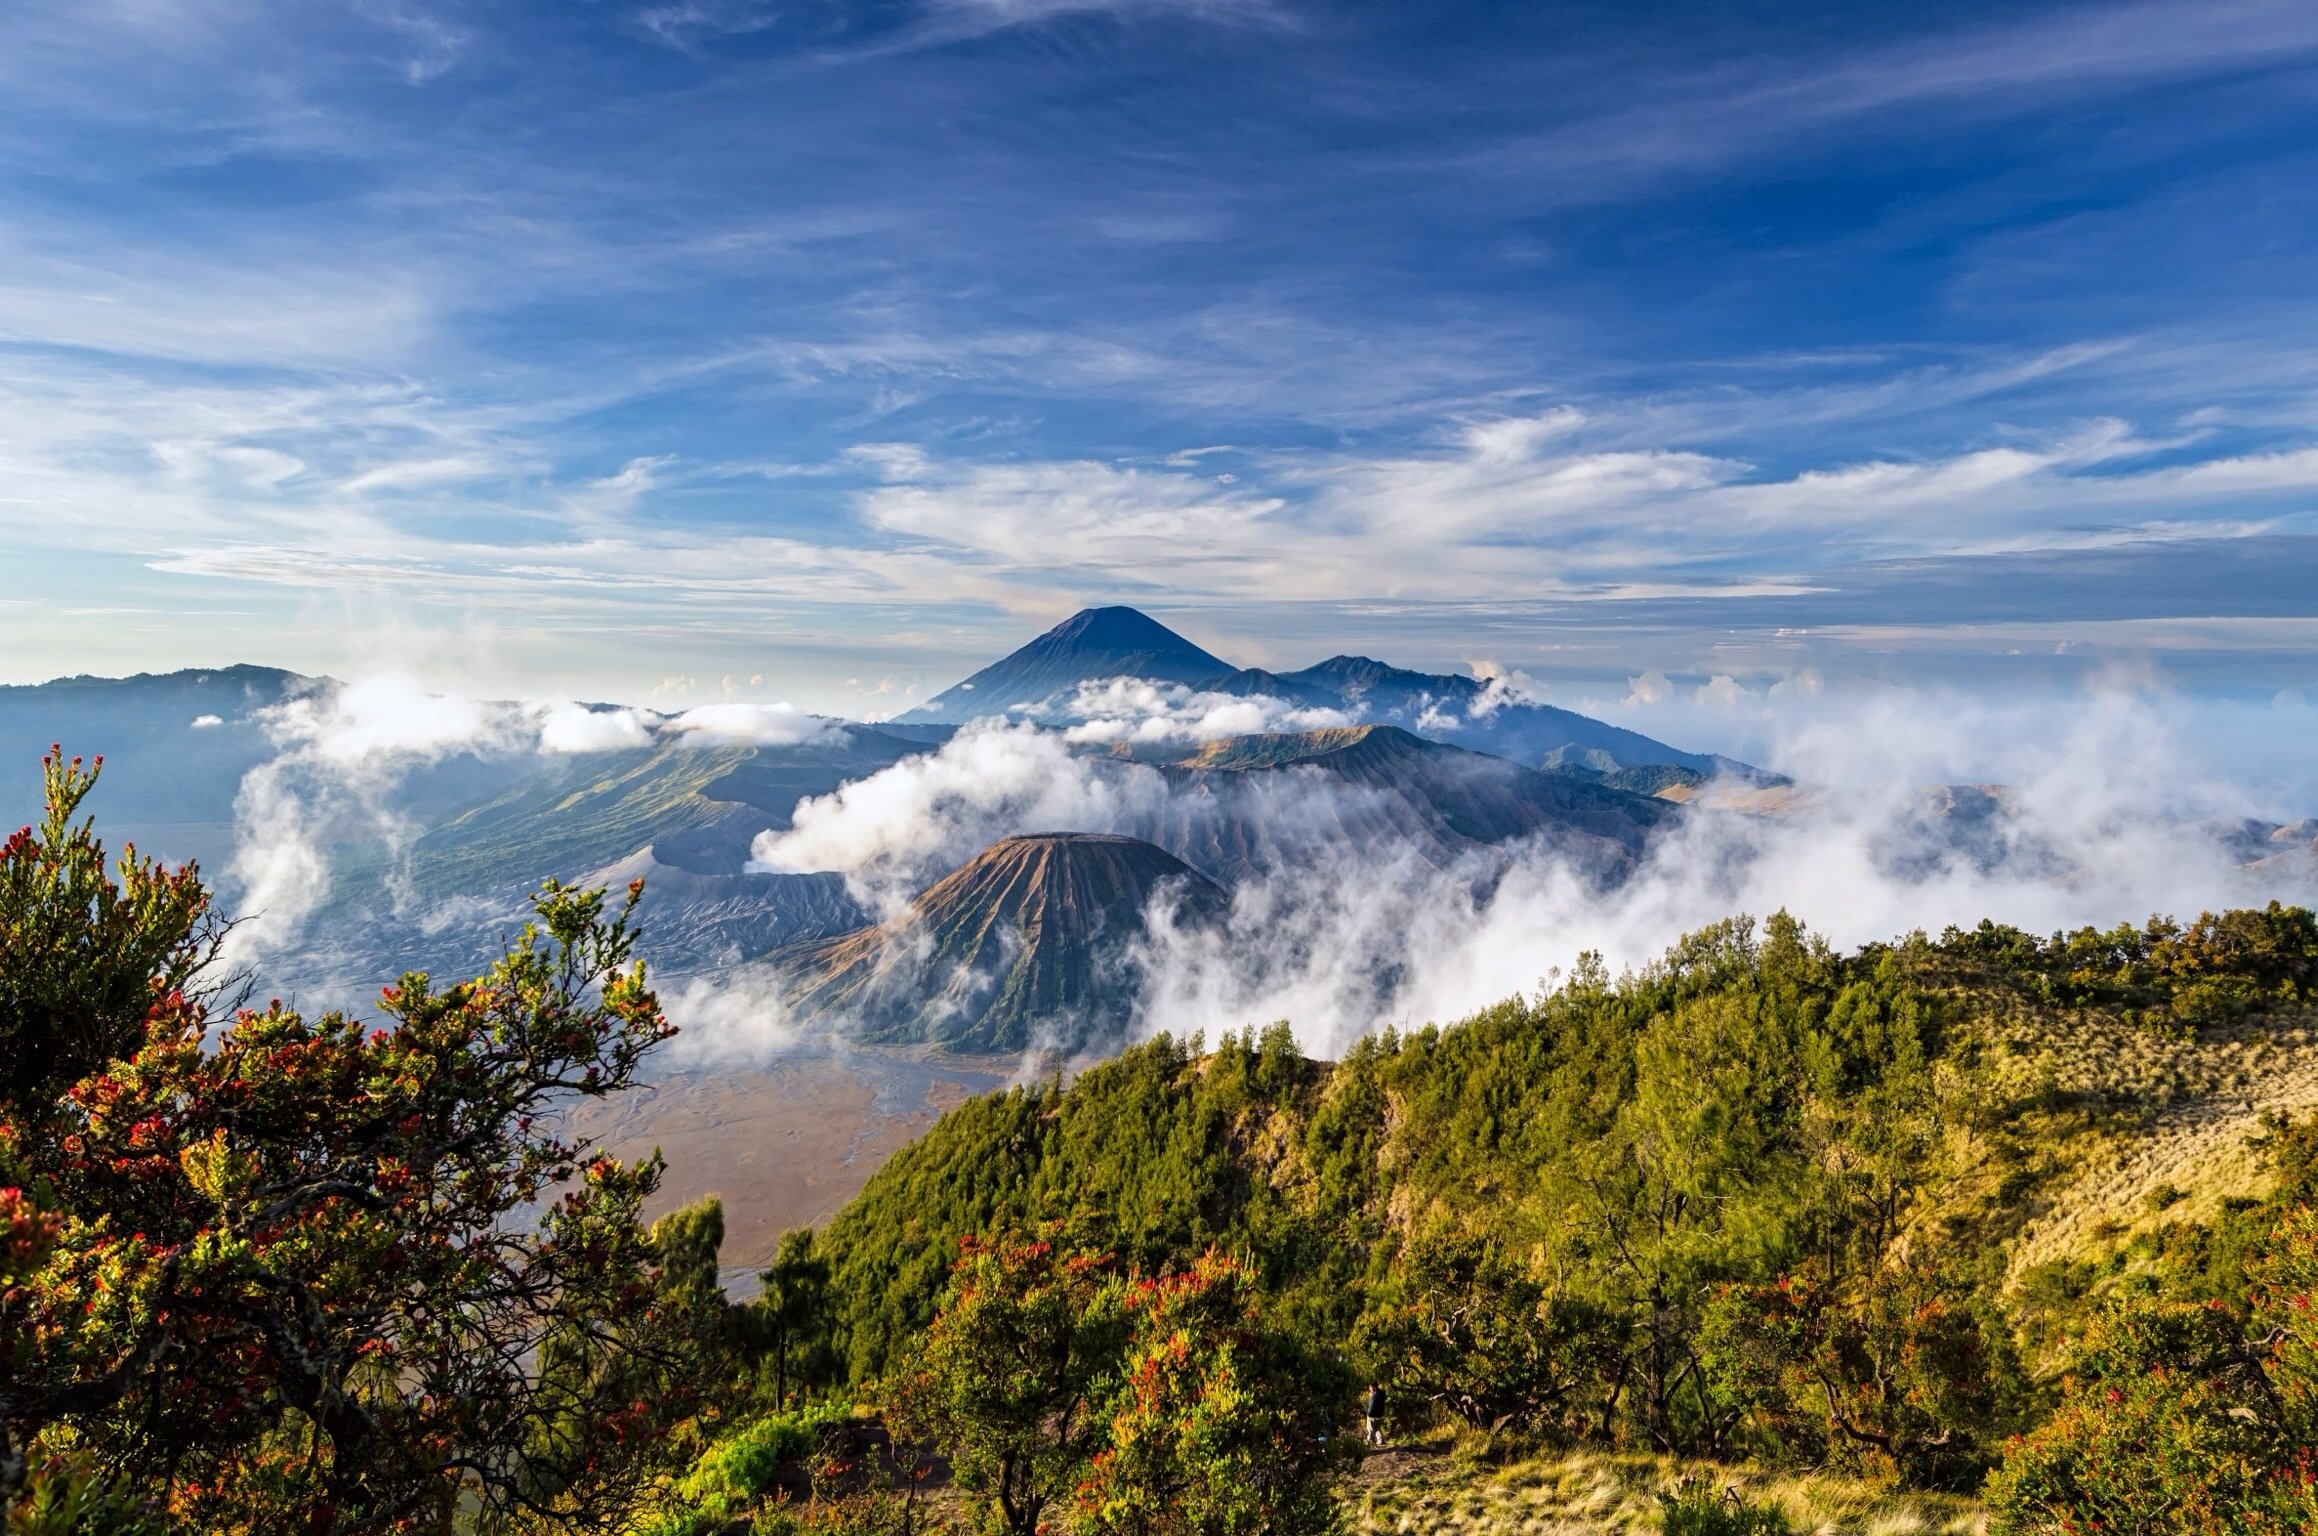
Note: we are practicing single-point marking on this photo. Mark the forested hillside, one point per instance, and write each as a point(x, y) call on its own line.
point(1758, 1200)
point(1752, 1102)
point(1990, 1217)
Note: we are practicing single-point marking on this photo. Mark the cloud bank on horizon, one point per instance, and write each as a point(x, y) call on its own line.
point(601, 350)
point(2108, 811)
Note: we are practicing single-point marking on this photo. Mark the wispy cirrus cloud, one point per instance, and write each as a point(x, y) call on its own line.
point(834, 329)
point(837, 33)
point(1551, 506)
point(1688, 119)
point(1527, 504)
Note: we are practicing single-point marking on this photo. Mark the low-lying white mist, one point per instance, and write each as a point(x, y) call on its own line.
point(345, 751)
point(2106, 814)
point(735, 1018)
point(1137, 712)
point(893, 832)
point(2106, 811)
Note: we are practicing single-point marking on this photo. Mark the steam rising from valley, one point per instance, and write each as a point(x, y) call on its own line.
point(2098, 813)
point(892, 833)
point(343, 770)
point(1344, 917)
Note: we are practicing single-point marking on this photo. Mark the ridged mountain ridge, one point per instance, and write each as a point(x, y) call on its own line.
point(1029, 940)
point(1352, 677)
point(1102, 643)
point(1249, 803)
point(1284, 748)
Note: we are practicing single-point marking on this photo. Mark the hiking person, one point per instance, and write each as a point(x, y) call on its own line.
point(1375, 1411)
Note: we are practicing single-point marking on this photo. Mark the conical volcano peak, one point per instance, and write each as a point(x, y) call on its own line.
point(1120, 629)
point(1082, 879)
point(1091, 645)
point(1033, 937)
point(1060, 843)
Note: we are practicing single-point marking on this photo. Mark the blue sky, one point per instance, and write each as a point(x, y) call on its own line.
point(824, 351)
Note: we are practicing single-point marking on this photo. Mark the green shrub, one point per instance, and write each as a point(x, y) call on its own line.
point(1696, 1507)
point(63, 1497)
point(745, 1468)
point(2178, 1423)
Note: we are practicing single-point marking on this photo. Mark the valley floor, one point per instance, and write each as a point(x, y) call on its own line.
point(785, 1143)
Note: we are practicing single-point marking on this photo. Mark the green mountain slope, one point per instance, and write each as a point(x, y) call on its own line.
point(2018, 1129)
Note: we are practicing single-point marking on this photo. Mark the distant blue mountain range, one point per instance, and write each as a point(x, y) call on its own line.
point(178, 744)
point(429, 862)
point(1103, 643)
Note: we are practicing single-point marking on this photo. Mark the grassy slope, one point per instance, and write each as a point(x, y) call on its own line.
point(1438, 1492)
point(2172, 1144)
point(1440, 1486)
point(2074, 1140)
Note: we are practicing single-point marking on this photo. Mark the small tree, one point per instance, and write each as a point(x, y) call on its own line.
point(1012, 1371)
point(790, 1321)
point(1894, 1373)
point(1221, 1425)
point(1472, 1330)
point(279, 1280)
point(87, 952)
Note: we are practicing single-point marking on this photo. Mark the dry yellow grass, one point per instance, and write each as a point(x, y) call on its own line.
point(1434, 1489)
point(2182, 1109)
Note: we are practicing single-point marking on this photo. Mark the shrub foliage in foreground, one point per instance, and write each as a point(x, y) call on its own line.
point(1219, 1423)
point(1013, 1372)
point(2177, 1423)
point(1069, 1397)
point(274, 1281)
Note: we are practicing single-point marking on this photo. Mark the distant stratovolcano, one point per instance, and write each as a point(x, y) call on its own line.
point(1102, 643)
point(1092, 644)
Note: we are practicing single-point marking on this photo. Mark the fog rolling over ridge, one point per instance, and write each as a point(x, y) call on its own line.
point(1345, 846)
point(2103, 816)
point(1351, 909)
